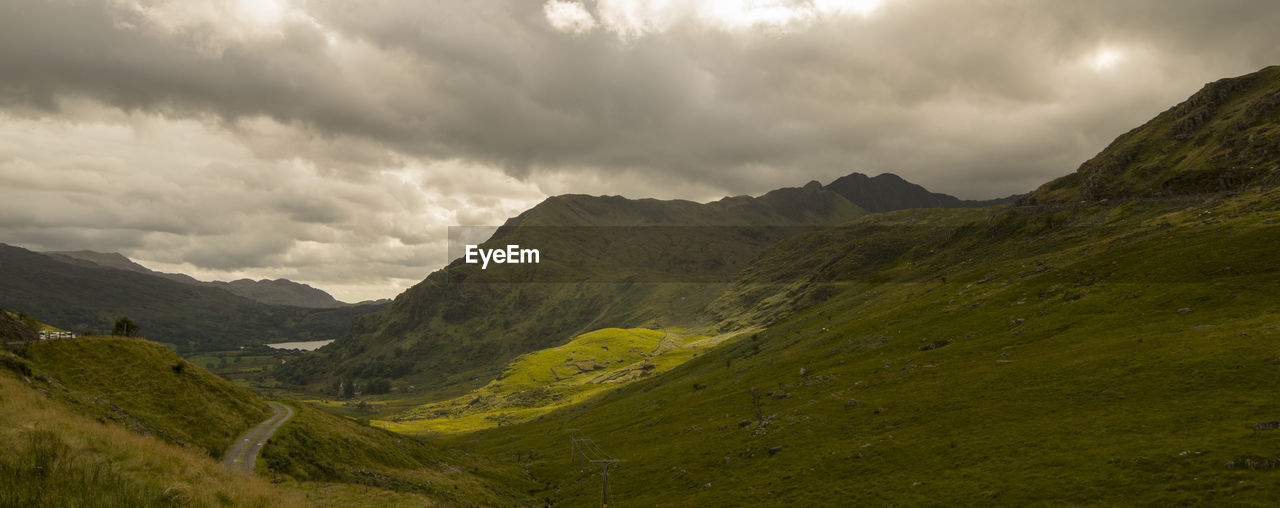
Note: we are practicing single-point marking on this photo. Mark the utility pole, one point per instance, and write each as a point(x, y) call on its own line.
point(604, 486)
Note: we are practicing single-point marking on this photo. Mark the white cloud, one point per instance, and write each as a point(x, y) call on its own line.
point(568, 16)
point(630, 19)
point(193, 197)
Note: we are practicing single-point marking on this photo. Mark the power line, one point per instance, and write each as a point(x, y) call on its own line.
point(591, 452)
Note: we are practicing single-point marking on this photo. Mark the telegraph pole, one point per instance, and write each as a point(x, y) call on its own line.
point(604, 486)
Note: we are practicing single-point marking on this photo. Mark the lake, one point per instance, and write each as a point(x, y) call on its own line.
point(310, 345)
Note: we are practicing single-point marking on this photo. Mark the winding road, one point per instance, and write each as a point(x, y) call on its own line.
point(245, 452)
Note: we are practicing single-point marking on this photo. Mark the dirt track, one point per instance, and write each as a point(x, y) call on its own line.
point(245, 452)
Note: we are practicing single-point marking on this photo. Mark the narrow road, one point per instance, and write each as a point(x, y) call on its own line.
point(245, 452)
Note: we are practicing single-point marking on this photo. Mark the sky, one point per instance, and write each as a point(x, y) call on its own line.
point(333, 142)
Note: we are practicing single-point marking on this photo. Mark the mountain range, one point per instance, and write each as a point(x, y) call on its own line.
point(86, 292)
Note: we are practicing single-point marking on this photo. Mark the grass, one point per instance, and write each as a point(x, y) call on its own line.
point(1101, 355)
point(145, 387)
point(537, 383)
point(55, 456)
point(316, 446)
point(126, 422)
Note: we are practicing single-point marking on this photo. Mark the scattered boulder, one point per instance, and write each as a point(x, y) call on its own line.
point(1271, 425)
point(777, 449)
point(780, 395)
point(1184, 310)
point(745, 423)
point(934, 345)
point(852, 403)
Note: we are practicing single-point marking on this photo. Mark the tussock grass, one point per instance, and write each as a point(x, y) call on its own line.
point(57, 457)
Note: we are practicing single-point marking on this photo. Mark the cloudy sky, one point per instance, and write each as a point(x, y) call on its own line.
point(332, 142)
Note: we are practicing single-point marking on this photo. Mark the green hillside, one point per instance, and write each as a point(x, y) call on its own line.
point(146, 388)
point(133, 423)
point(1226, 137)
point(1102, 355)
point(562, 376)
point(607, 262)
point(88, 299)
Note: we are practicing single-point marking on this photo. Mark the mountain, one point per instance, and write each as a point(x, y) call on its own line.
point(1112, 354)
point(84, 298)
point(606, 261)
point(273, 292)
point(1115, 352)
point(1224, 138)
point(888, 192)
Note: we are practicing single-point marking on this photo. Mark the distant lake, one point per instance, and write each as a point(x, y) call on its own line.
point(310, 345)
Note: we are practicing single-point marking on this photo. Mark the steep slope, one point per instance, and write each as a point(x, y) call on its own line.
point(57, 456)
point(271, 292)
point(84, 404)
point(888, 192)
point(14, 330)
point(1100, 355)
point(606, 262)
point(85, 299)
point(1226, 137)
point(279, 292)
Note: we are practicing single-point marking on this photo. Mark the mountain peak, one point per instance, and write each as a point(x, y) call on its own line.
point(1224, 137)
point(887, 192)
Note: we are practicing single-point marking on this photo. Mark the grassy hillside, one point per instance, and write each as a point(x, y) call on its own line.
point(56, 456)
point(607, 262)
point(562, 376)
point(1226, 137)
point(88, 299)
point(149, 389)
point(1100, 355)
point(316, 446)
point(81, 406)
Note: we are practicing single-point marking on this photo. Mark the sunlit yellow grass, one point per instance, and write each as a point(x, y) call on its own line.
point(540, 382)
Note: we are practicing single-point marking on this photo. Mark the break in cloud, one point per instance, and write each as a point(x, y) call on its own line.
point(333, 142)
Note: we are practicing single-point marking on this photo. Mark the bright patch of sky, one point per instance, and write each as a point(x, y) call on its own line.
point(630, 19)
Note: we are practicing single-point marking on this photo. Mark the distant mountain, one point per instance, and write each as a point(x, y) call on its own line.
point(1225, 137)
point(888, 192)
point(607, 261)
point(87, 297)
point(273, 292)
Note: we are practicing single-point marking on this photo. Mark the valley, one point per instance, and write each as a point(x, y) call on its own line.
point(1109, 338)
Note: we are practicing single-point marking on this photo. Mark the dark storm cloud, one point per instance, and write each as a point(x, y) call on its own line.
point(490, 81)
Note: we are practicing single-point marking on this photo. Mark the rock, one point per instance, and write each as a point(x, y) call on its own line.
point(1184, 310)
point(1271, 425)
point(780, 395)
point(934, 345)
point(803, 372)
point(853, 402)
point(744, 423)
point(777, 449)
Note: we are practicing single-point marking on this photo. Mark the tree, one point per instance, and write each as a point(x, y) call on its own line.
point(125, 327)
